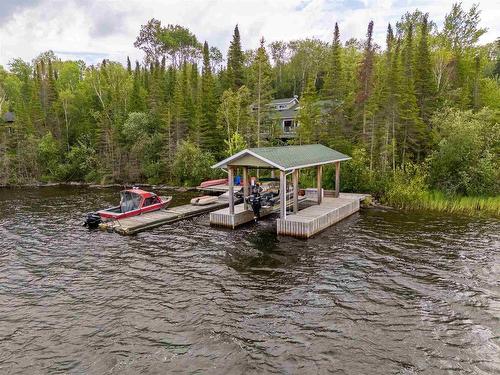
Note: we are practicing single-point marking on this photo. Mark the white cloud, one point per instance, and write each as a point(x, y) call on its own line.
point(96, 29)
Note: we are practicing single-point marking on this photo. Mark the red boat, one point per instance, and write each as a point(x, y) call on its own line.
point(133, 202)
point(222, 181)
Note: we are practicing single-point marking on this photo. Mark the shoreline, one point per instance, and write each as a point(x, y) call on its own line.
point(97, 186)
point(446, 206)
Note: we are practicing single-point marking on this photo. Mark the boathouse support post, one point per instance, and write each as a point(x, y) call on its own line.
point(245, 187)
point(319, 179)
point(230, 178)
point(295, 181)
point(282, 195)
point(337, 179)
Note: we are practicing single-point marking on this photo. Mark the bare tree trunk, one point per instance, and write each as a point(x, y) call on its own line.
point(393, 142)
point(259, 103)
point(372, 141)
point(65, 107)
point(404, 147)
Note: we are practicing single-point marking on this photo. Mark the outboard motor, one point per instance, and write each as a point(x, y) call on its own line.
point(93, 220)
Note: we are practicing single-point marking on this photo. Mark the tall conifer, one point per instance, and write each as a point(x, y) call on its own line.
point(235, 73)
point(365, 79)
point(261, 79)
point(425, 89)
point(209, 138)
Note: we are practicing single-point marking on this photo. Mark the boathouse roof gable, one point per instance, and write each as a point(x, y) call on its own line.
point(284, 158)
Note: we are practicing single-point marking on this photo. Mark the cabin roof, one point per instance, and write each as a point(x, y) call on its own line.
point(283, 100)
point(288, 113)
point(284, 158)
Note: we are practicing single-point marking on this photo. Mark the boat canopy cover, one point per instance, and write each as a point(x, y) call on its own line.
point(131, 200)
point(285, 158)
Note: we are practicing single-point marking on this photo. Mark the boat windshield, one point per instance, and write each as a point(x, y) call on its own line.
point(129, 201)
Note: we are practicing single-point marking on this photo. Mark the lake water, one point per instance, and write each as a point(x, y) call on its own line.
point(382, 292)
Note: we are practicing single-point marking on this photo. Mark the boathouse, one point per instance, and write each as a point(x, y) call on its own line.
point(288, 161)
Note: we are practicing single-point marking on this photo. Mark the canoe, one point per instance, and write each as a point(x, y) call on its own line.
point(204, 200)
point(222, 181)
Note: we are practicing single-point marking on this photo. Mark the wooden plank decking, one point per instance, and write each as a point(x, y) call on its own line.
point(314, 219)
point(155, 219)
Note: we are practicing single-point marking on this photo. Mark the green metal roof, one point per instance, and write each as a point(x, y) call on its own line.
point(284, 158)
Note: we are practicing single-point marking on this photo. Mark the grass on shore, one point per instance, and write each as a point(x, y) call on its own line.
point(437, 201)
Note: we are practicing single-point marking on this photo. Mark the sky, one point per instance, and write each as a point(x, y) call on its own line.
point(92, 30)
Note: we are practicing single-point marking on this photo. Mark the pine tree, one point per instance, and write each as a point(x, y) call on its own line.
point(129, 66)
point(334, 83)
point(195, 116)
point(425, 89)
point(209, 137)
point(235, 73)
point(365, 78)
point(137, 102)
point(334, 88)
point(412, 137)
point(261, 78)
point(309, 115)
point(392, 98)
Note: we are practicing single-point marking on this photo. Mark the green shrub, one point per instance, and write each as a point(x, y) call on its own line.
point(81, 164)
point(192, 165)
point(48, 157)
point(466, 159)
point(407, 188)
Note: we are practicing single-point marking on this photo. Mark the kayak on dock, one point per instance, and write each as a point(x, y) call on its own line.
point(222, 181)
point(204, 200)
point(133, 202)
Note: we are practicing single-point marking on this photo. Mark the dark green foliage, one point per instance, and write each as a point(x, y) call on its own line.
point(466, 158)
point(235, 62)
point(424, 82)
point(412, 114)
point(209, 135)
point(191, 165)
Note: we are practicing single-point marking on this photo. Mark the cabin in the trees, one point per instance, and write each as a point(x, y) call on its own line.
point(286, 110)
point(285, 113)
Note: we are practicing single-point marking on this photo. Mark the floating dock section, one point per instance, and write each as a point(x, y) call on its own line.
point(303, 224)
point(242, 215)
point(155, 219)
point(314, 219)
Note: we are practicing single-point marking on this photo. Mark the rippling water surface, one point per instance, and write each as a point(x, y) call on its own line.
point(383, 292)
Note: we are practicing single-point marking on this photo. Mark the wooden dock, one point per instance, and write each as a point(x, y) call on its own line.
point(222, 218)
point(309, 221)
point(155, 219)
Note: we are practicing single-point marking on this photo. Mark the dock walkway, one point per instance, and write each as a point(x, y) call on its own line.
point(314, 219)
point(155, 219)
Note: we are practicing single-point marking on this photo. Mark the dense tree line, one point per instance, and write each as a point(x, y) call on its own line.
point(427, 101)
